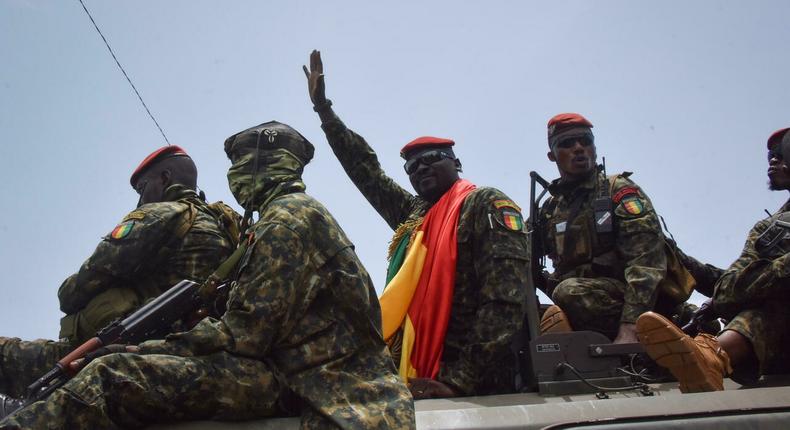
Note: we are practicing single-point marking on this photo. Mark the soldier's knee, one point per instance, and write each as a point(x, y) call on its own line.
point(564, 295)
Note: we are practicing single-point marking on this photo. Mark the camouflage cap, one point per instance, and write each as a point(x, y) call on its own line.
point(273, 135)
point(159, 154)
point(425, 142)
point(566, 124)
point(776, 137)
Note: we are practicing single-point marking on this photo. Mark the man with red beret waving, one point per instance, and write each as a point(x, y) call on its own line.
point(604, 240)
point(458, 262)
point(752, 294)
point(172, 235)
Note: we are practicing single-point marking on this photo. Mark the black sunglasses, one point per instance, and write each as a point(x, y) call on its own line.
point(426, 158)
point(569, 142)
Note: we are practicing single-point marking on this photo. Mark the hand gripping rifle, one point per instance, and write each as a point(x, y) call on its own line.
point(157, 315)
point(183, 301)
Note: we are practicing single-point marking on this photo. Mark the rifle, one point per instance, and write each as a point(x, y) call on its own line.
point(525, 378)
point(701, 316)
point(158, 315)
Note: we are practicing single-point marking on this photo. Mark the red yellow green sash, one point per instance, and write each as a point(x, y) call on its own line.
point(418, 297)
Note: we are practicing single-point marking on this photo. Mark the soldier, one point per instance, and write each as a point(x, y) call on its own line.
point(172, 235)
point(458, 262)
point(301, 333)
point(752, 294)
point(604, 240)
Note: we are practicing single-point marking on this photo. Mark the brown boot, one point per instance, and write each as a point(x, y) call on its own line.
point(554, 321)
point(699, 364)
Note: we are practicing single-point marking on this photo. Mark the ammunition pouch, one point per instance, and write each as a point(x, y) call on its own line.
point(100, 311)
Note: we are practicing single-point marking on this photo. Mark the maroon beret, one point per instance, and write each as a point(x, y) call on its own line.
point(423, 142)
point(776, 137)
point(159, 154)
point(563, 121)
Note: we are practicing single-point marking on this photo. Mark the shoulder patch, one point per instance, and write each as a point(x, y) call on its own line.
point(504, 203)
point(633, 205)
point(134, 215)
point(122, 230)
point(627, 191)
point(512, 220)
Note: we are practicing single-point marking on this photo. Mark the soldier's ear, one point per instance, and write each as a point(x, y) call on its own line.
point(166, 177)
point(458, 167)
point(551, 156)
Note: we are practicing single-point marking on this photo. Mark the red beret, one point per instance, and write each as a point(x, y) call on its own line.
point(566, 120)
point(159, 154)
point(777, 137)
point(424, 141)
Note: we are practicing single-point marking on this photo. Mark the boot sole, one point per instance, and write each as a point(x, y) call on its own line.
point(553, 321)
point(671, 348)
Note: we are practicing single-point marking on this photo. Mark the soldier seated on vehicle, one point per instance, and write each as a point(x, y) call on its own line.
point(752, 294)
point(172, 235)
point(611, 260)
point(458, 262)
point(301, 334)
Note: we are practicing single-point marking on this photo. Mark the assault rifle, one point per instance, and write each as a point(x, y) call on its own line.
point(701, 316)
point(153, 318)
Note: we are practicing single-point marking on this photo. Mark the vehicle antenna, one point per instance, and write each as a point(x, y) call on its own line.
point(123, 71)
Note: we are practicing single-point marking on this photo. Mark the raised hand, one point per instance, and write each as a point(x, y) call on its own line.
point(315, 81)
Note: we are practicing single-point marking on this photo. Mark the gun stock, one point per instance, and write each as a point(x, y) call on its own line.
point(153, 317)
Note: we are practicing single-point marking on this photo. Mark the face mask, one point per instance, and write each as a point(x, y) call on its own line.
point(240, 181)
point(275, 167)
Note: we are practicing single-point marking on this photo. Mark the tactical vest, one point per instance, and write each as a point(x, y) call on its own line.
point(582, 243)
point(120, 301)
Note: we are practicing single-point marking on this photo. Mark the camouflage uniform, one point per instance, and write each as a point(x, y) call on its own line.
point(602, 280)
point(753, 294)
point(166, 242)
point(302, 332)
point(490, 277)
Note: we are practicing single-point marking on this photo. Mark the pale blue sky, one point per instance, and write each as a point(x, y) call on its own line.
point(682, 93)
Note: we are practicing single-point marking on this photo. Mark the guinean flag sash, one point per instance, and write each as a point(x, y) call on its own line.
point(418, 297)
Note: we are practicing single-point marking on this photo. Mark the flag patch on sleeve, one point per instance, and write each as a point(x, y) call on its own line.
point(122, 230)
point(512, 220)
point(633, 205)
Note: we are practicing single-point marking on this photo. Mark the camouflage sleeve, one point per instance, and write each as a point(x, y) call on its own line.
point(751, 280)
point(499, 250)
point(130, 249)
point(362, 166)
point(706, 275)
point(640, 245)
point(259, 304)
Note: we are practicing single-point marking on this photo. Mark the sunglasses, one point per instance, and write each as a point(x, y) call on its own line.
point(426, 158)
point(571, 141)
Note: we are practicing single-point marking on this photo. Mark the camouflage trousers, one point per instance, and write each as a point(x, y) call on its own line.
point(597, 304)
point(768, 330)
point(22, 362)
point(133, 391)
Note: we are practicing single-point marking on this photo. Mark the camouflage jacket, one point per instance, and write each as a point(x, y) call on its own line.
point(490, 276)
point(304, 303)
point(760, 276)
point(632, 252)
point(154, 247)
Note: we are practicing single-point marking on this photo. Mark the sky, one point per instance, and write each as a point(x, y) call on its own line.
point(683, 94)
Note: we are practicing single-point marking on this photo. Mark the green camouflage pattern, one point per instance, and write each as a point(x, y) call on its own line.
point(301, 334)
point(121, 275)
point(490, 277)
point(631, 258)
point(753, 295)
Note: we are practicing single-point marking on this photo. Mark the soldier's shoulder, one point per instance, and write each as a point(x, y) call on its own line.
point(156, 211)
point(490, 196)
point(623, 185)
point(297, 211)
